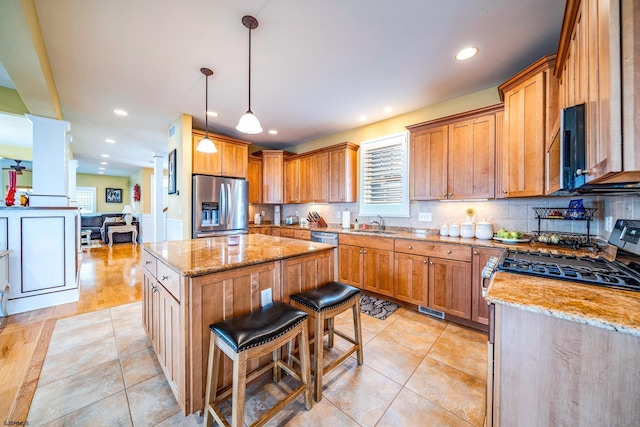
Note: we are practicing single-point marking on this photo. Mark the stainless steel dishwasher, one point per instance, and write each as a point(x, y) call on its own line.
point(324, 237)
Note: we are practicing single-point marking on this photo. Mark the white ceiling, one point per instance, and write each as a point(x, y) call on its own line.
point(317, 66)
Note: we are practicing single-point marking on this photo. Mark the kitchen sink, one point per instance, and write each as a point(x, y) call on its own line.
point(374, 231)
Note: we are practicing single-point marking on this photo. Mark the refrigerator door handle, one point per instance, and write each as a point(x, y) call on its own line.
point(223, 205)
point(228, 204)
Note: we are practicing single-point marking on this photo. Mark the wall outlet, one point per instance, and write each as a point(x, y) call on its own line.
point(179, 210)
point(425, 216)
point(608, 223)
point(265, 297)
point(263, 214)
point(339, 214)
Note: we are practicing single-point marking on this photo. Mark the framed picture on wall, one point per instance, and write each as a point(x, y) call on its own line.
point(172, 172)
point(113, 195)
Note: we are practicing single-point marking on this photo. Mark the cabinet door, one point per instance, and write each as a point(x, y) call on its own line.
point(306, 180)
point(170, 348)
point(287, 232)
point(292, 181)
point(206, 163)
point(377, 271)
point(150, 304)
point(471, 169)
point(523, 156)
point(450, 287)
point(479, 307)
point(320, 178)
point(343, 174)
point(254, 176)
point(234, 160)
point(428, 173)
point(501, 191)
point(350, 265)
point(272, 179)
point(411, 279)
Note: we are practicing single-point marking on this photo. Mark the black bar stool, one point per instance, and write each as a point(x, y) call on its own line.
point(253, 335)
point(324, 303)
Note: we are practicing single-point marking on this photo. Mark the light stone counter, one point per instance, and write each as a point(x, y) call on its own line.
point(211, 255)
point(598, 306)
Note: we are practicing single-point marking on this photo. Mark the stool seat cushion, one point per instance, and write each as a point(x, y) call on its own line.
point(259, 326)
point(326, 297)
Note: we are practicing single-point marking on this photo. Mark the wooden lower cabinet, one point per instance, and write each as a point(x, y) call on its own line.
point(306, 273)
point(366, 263)
point(479, 307)
point(377, 271)
point(411, 282)
point(450, 287)
point(350, 265)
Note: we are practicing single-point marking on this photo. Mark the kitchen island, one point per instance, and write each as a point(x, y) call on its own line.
point(188, 285)
point(562, 353)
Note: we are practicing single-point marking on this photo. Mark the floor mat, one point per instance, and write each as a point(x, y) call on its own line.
point(375, 307)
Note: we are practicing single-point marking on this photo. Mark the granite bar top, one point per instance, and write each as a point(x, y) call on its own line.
point(606, 308)
point(198, 257)
point(411, 235)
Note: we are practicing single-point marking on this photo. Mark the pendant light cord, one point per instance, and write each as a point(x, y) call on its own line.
point(206, 107)
point(250, 70)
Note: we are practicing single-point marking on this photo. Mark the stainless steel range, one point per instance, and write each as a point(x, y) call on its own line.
point(623, 273)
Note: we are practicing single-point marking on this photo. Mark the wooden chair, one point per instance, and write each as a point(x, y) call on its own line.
point(324, 303)
point(253, 335)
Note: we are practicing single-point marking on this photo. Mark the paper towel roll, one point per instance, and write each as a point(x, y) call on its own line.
point(346, 219)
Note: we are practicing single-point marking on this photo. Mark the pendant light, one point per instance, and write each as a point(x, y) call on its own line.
point(249, 123)
point(206, 145)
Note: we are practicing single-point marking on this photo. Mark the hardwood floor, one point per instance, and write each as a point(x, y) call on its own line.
point(109, 276)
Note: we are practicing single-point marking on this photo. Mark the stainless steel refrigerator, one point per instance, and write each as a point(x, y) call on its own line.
point(220, 206)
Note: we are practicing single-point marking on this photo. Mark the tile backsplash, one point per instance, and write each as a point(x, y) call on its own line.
point(512, 214)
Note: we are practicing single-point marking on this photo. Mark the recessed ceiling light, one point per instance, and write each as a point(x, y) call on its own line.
point(104, 155)
point(100, 173)
point(388, 109)
point(363, 118)
point(120, 112)
point(104, 163)
point(273, 132)
point(101, 169)
point(467, 53)
point(212, 114)
point(110, 141)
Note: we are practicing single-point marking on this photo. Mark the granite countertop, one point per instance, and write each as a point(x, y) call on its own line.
point(407, 234)
point(606, 308)
point(211, 255)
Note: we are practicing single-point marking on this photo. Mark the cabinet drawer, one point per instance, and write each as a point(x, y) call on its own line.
point(169, 279)
point(149, 262)
point(383, 243)
point(302, 234)
point(438, 250)
point(287, 232)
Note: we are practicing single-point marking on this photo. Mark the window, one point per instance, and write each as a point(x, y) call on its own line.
point(384, 178)
point(86, 199)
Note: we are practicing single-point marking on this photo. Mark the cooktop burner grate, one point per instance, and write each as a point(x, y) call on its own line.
point(593, 271)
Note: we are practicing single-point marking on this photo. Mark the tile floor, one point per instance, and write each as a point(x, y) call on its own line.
point(100, 369)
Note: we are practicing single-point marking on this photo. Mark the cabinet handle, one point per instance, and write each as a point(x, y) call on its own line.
point(475, 252)
point(410, 247)
point(449, 251)
point(147, 262)
point(154, 289)
point(450, 194)
point(430, 262)
point(164, 277)
point(583, 172)
point(424, 262)
point(505, 191)
point(444, 195)
point(364, 252)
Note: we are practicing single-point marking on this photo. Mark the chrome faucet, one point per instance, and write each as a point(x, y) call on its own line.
point(379, 223)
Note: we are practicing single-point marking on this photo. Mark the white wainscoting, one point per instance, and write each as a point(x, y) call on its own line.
point(174, 229)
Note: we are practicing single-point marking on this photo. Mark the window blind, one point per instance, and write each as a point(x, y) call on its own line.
point(383, 175)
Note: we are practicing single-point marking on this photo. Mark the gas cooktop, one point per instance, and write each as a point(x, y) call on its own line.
point(594, 271)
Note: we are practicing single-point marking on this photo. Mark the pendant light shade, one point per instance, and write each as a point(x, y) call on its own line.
point(249, 123)
point(206, 145)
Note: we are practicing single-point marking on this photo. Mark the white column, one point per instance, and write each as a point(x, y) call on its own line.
point(156, 209)
point(72, 165)
point(49, 162)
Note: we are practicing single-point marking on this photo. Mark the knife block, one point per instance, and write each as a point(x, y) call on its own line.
point(319, 223)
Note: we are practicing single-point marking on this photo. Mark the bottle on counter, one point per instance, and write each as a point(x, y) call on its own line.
point(356, 226)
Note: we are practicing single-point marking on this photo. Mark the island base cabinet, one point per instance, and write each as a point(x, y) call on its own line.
point(552, 371)
point(306, 273)
point(450, 287)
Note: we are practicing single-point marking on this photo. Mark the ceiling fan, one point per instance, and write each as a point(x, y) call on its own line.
point(18, 167)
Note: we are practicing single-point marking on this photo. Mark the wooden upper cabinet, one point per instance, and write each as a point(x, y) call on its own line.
point(529, 106)
point(272, 176)
point(254, 176)
point(454, 157)
point(292, 181)
point(320, 177)
point(597, 65)
point(501, 191)
point(306, 180)
point(230, 160)
point(429, 163)
point(343, 172)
